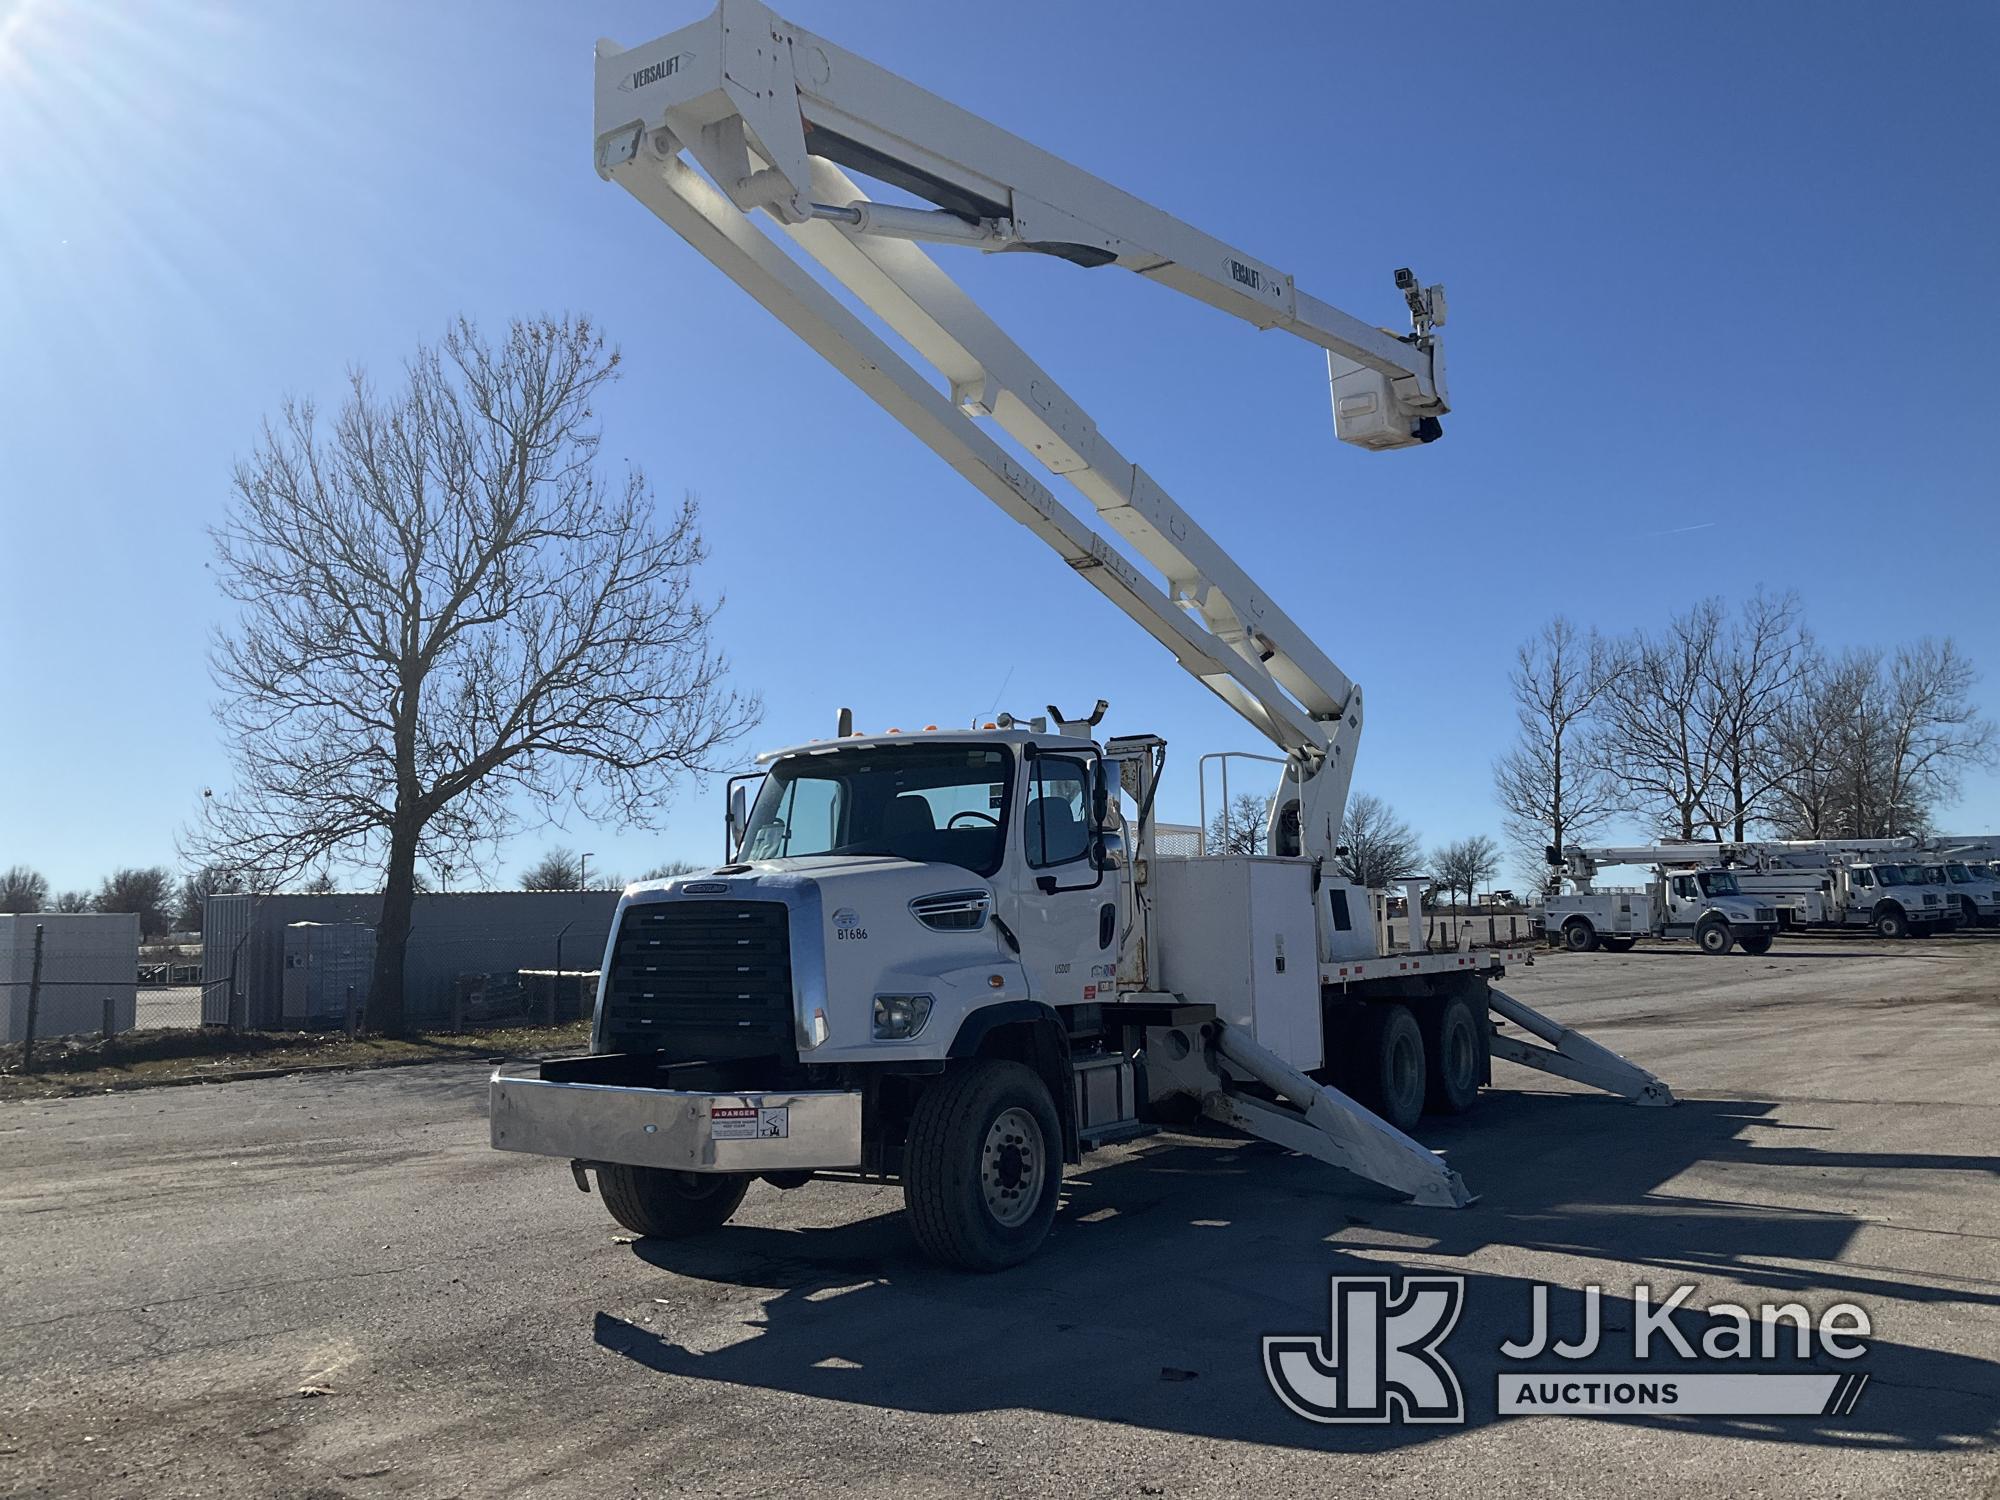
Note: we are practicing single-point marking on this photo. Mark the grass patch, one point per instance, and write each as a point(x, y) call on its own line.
point(205, 1054)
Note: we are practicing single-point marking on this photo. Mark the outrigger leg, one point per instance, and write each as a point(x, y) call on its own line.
point(1307, 1117)
point(1571, 1054)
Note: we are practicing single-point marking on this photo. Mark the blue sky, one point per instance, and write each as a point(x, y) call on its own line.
point(1711, 266)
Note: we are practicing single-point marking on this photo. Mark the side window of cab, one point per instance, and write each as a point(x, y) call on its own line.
point(1055, 823)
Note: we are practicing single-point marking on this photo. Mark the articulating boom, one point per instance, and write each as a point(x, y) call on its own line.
point(776, 117)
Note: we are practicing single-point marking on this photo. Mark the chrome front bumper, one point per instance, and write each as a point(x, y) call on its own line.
point(777, 1132)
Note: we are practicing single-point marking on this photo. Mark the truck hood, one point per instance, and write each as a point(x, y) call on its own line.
point(873, 872)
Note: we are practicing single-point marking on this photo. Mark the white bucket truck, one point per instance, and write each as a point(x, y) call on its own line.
point(959, 959)
point(1689, 898)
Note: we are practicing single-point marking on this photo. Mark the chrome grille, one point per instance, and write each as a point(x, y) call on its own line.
point(701, 981)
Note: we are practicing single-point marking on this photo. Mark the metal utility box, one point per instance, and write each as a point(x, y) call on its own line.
point(89, 961)
point(1203, 909)
point(327, 964)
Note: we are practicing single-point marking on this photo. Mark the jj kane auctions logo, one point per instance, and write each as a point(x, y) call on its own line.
point(1382, 1358)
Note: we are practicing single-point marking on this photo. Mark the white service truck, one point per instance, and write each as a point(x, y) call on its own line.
point(1975, 886)
point(1687, 899)
point(959, 959)
point(1888, 886)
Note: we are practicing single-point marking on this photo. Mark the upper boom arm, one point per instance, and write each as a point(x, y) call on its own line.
point(777, 118)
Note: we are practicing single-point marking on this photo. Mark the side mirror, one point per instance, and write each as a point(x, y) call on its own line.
point(1100, 796)
point(738, 820)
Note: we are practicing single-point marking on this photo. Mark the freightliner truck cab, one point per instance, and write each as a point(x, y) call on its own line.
point(896, 902)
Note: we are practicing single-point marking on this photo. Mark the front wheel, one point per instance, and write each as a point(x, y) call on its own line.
point(982, 1166)
point(1755, 942)
point(1715, 938)
point(668, 1205)
point(1892, 924)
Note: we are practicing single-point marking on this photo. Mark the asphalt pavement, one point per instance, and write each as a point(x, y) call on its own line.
point(329, 1285)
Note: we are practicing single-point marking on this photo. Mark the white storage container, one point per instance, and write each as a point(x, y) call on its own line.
point(88, 958)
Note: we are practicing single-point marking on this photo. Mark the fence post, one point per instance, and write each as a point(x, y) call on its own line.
point(348, 1015)
point(108, 1032)
point(34, 1005)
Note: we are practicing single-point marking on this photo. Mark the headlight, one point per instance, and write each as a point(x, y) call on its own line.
point(899, 1017)
point(952, 911)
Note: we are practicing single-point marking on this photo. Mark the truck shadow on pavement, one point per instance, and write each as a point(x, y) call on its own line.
point(1166, 1268)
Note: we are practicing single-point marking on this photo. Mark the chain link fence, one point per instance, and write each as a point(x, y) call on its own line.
point(69, 981)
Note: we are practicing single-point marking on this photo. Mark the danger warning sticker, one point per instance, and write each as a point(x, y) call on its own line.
point(742, 1122)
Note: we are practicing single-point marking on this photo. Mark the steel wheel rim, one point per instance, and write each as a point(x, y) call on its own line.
point(695, 1186)
point(1460, 1057)
point(1012, 1164)
point(1403, 1062)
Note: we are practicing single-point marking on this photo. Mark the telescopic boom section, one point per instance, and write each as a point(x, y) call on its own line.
point(776, 118)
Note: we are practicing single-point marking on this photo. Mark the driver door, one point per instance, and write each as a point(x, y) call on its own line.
point(1069, 934)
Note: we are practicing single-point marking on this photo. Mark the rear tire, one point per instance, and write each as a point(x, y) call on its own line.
point(1579, 936)
point(1391, 1076)
point(982, 1166)
point(1715, 938)
point(1755, 942)
point(666, 1205)
point(1892, 924)
point(1454, 1057)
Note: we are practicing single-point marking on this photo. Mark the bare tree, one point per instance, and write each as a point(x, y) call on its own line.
point(1877, 742)
point(557, 870)
point(209, 880)
point(1380, 846)
point(73, 902)
point(1932, 732)
point(23, 889)
point(1241, 827)
point(1820, 737)
point(1753, 674)
point(667, 869)
point(1661, 745)
point(1552, 786)
point(1465, 865)
point(449, 612)
point(319, 883)
point(147, 890)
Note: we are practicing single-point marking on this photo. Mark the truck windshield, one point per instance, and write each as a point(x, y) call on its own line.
point(1891, 875)
point(1926, 874)
point(1719, 883)
point(931, 802)
point(1959, 874)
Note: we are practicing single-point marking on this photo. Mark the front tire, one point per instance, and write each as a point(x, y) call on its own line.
point(667, 1205)
point(1715, 938)
point(982, 1166)
point(1892, 923)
